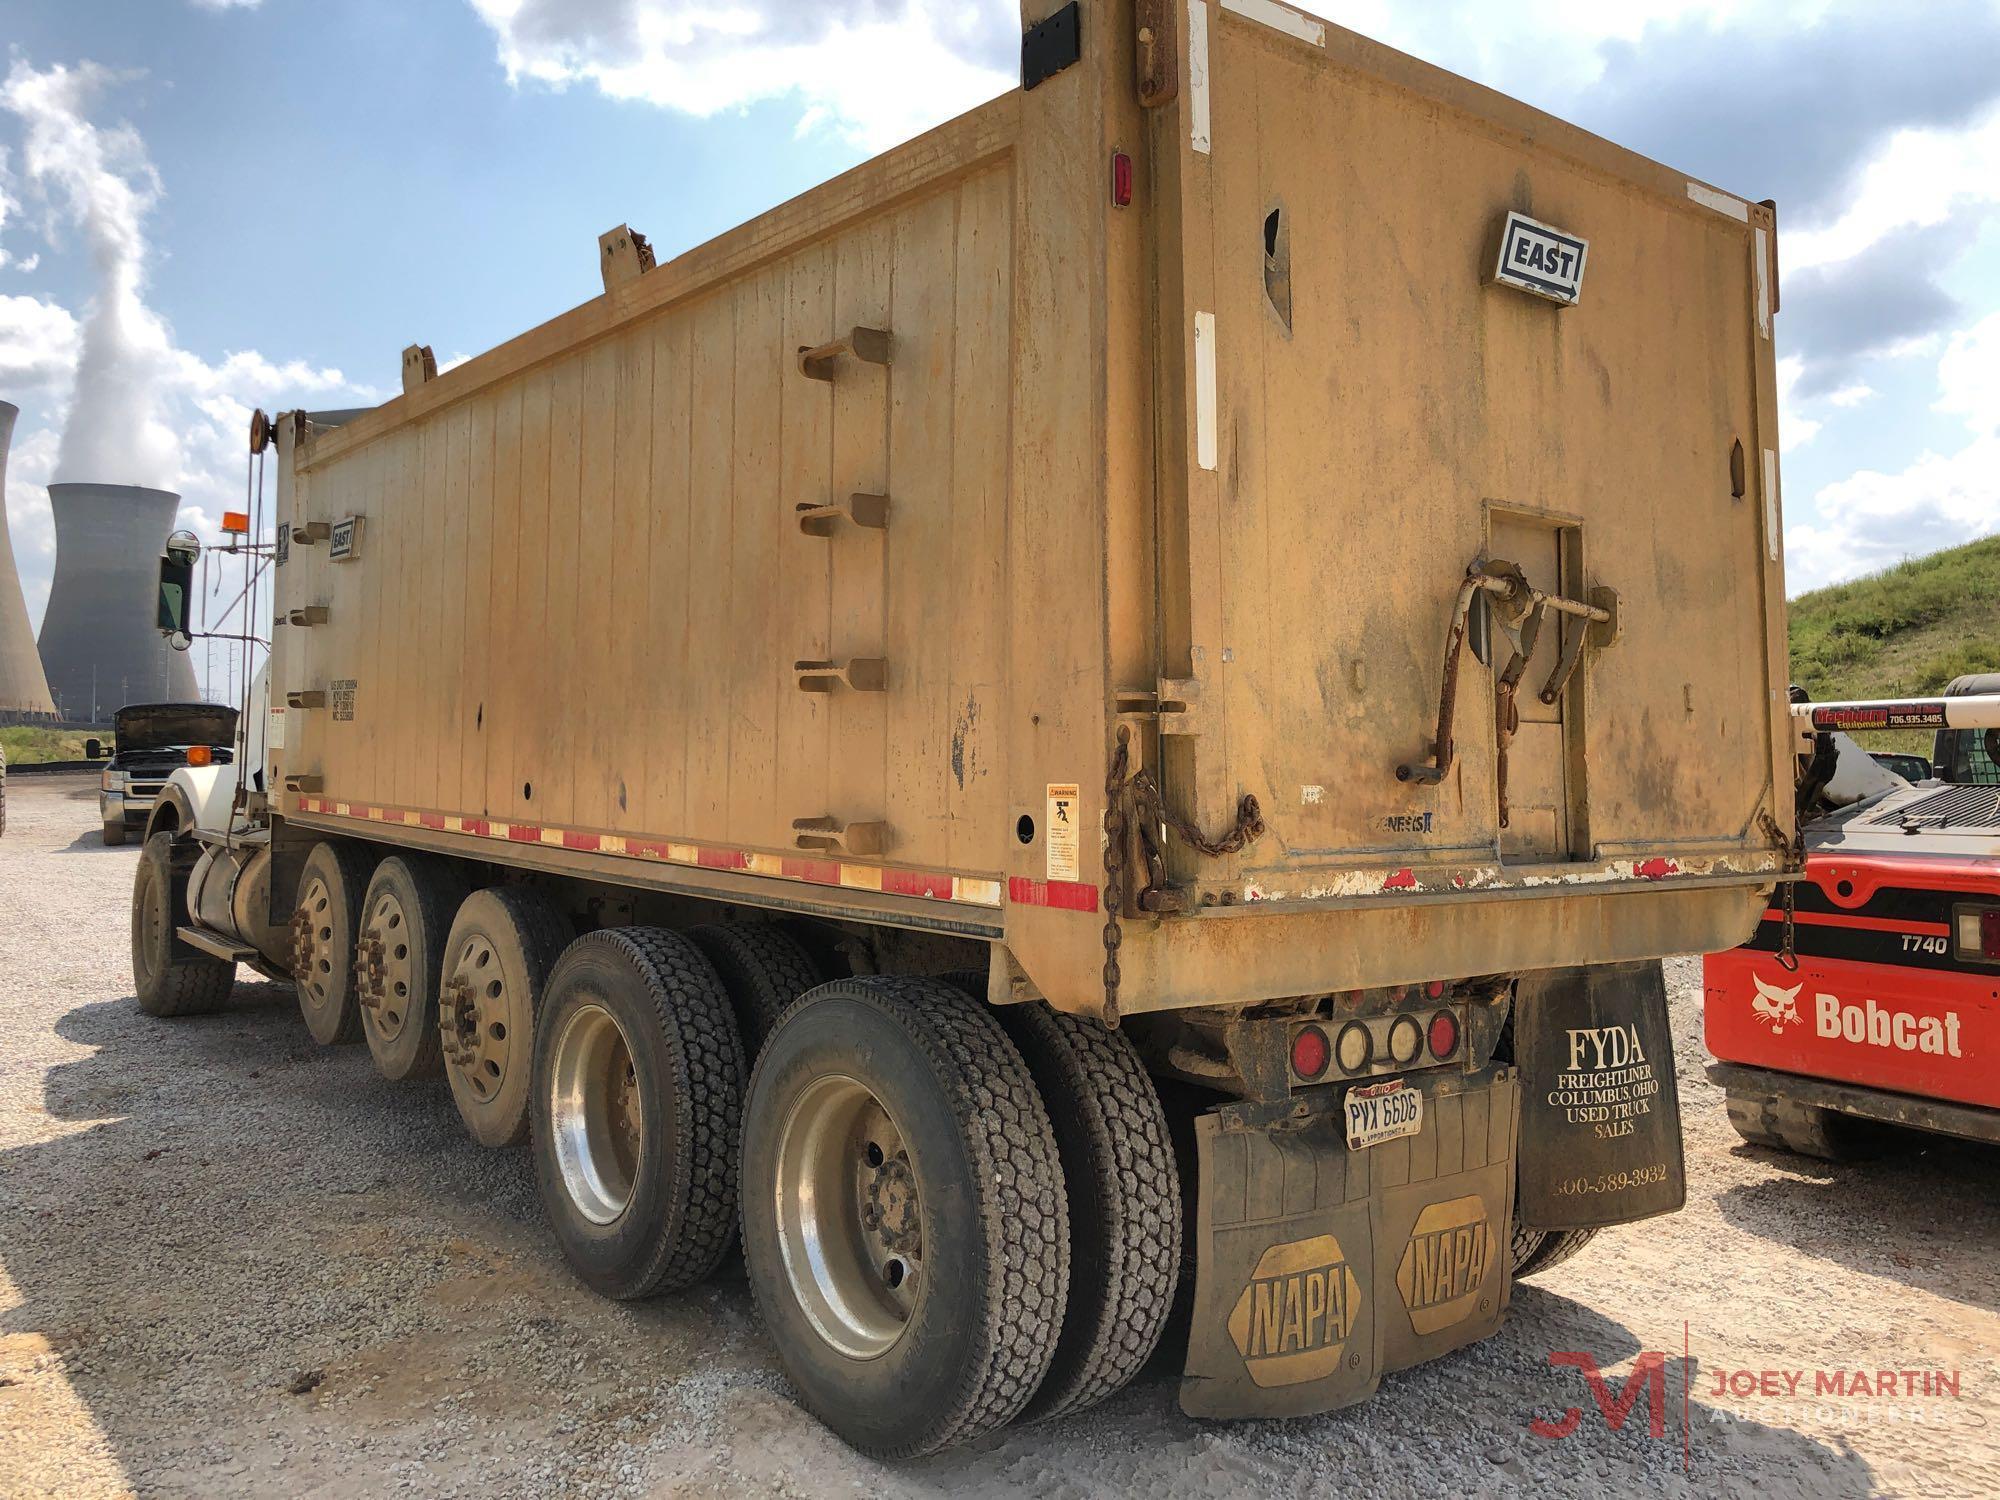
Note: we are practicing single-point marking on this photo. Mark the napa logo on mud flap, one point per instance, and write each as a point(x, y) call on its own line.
point(1294, 1317)
point(1541, 259)
point(1445, 1264)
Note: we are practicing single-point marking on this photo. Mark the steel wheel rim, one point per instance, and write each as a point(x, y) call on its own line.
point(595, 1118)
point(153, 935)
point(473, 1016)
point(388, 932)
point(850, 1217)
point(316, 946)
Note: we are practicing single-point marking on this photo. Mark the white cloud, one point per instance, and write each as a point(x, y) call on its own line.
point(37, 344)
point(226, 4)
point(1918, 179)
point(123, 402)
point(1795, 428)
point(880, 71)
point(1872, 519)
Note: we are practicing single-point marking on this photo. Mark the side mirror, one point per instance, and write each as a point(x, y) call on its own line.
point(177, 588)
point(93, 749)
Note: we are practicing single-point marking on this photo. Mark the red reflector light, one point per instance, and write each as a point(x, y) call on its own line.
point(1989, 933)
point(1435, 989)
point(1311, 1052)
point(1443, 1034)
point(1121, 179)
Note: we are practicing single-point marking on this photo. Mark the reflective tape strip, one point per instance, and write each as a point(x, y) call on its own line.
point(1204, 389)
point(1198, 75)
point(1722, 203)
point(1281, 18)
point(1762, 248)
point(932, 885)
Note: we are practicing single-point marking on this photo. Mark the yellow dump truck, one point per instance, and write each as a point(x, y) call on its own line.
point(1150, 671)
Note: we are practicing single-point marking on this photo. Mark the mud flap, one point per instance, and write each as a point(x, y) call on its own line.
point(1600, 1110)
point(1319, 1268)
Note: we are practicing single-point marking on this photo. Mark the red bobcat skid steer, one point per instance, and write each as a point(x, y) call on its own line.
point(1871, 990)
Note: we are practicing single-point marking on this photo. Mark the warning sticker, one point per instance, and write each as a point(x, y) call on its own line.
point(1065, 843)
point(274, 738)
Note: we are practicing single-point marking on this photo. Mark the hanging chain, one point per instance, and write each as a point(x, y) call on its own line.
point(1794, 850)
point(1114, 870)
point(1137, 795)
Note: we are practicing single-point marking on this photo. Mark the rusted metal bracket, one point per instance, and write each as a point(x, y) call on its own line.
point(306, 698)
point(870, 511)
point(1527, 606)
point(863, 674)
point(419, 367)
point(869, 345)
point(831, 836)
point(1158, 56)
point(308, 533)
point(623, 255)
point(1174, 705)
point(312, 614)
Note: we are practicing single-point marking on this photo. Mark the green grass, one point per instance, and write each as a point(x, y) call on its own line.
point(27, 745)
point(1902, 633)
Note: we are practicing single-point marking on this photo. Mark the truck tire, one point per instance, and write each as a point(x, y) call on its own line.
point(764, 969)
point(114, 833)
point(635, 1112)
point(168, 977)
point(502, 945)
point(1539, 1249)
point(1124, 1202)
point(904, 1220)
point(325, 923)
point(399, 961)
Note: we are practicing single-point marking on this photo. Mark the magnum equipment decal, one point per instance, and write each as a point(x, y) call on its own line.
point(1296, 1312)
point(1444, 1267)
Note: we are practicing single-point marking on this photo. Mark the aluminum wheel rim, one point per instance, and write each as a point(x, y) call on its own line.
point(389, 988)
point(478, 1041)
point(594, 1114)
point(850, 1217)
point(316, 944)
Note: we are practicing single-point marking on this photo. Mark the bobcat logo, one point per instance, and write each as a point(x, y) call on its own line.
point(1776, 1008)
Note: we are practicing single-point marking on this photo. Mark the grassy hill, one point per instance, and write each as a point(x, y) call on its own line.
point(1903, 632)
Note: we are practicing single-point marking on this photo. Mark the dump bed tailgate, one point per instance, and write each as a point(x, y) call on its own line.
point(1373, 407)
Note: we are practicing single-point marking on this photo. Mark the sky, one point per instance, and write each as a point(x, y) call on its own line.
point(210, 205)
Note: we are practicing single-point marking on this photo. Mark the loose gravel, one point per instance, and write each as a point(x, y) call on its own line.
point(233, 1262)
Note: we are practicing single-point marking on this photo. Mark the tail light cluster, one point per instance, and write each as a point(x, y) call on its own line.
point(1374, 1044)
point(1978, 929)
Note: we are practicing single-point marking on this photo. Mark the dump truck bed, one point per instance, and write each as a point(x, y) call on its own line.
point(1083, 517)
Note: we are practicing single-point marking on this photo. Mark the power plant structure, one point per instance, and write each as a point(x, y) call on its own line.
point(24, 691)
point(100, 645)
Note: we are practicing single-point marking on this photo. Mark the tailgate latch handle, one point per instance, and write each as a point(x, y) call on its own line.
point(1528, 605)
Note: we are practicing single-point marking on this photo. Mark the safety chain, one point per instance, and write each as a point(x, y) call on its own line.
point(1114, 871)
point(1794, 850)
point(1141, 790)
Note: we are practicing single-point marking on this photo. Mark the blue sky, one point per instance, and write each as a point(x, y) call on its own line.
point(263, 201)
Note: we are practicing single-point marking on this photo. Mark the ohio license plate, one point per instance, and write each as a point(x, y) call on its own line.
point(1382, 1112)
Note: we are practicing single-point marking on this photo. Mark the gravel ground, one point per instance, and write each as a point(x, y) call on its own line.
point(234, 1263)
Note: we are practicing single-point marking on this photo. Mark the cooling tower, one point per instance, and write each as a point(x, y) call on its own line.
point(100, 647)
point(24, 694)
